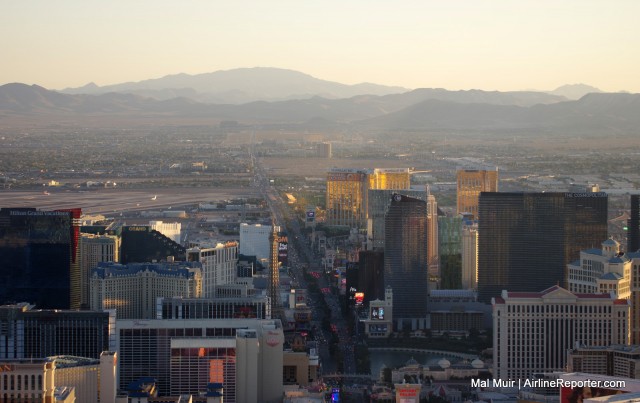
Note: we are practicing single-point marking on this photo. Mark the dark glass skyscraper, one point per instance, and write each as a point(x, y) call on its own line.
point(405, 260)
point(141, 244)
point(633, 225)
point(39, 257)
point(28, 333)
point(527, 239)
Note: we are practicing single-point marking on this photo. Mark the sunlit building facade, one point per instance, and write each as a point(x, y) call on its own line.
point(38, 379)
point(132, 290)
point(219, 265)
point(470, 182)
point(532, 331)
point(347, 198)
point(94, 249)
point(184, 356)
point(470, 257)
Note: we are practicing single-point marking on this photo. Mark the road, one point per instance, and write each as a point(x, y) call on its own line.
point(300, 253)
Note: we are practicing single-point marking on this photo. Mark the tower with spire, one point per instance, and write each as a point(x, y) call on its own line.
point(274, 275)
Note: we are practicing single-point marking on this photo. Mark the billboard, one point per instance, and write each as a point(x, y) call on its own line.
point(359, 297)
point(311, 214)
point(377, 312)
point(283, 248)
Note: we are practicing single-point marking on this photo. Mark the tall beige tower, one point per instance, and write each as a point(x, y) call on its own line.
point(433, 259)
point(347, 192)
point(93, 250)
point(470, 257)
point(470, 183)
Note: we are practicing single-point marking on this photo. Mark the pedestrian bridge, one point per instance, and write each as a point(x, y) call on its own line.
point(420, 350)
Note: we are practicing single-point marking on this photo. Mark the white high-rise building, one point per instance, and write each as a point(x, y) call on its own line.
point(254, 240)
point(609, 270)
point(532, 331)
point(470, 257)
point(93, 250)
point(219, 265)
point(185, 356)
point(169, 229)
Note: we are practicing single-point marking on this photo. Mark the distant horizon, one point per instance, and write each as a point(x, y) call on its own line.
point(99, 85)
point(496, 45)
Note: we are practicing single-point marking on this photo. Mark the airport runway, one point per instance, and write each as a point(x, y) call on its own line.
point(109, 201)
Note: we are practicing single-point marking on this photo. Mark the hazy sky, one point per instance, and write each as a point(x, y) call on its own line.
point(454, 44)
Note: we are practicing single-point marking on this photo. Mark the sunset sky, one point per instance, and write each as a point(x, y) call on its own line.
point(453, 44)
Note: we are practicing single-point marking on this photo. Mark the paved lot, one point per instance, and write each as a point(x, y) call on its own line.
point(104, 201)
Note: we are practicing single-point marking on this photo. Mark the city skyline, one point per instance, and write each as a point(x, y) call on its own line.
point(495, 45)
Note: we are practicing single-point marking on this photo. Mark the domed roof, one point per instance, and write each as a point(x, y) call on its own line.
point(411, 362)
point(611, 242)
point(444, 363)
point(477, 363)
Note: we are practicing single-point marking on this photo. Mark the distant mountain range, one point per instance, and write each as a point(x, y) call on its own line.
point(420, 109)
point(239, 86)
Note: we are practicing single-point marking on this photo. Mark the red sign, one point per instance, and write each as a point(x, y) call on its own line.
point(273, 338)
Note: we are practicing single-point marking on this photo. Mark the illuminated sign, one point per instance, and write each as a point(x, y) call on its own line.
point(359, 298)
point(592, 194)
point(273, 338)
point(377, 313)
point(137, 228)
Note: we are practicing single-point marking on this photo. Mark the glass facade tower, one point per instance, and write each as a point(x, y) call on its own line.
point(405, 260)
point(526, 240)
point(39, 257)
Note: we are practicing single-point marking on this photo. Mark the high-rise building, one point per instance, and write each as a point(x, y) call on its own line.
point(141, 244)
point(347, 198)
point(93, 250)
point(132, 290)
point(450, 251)
point(254, 240)
point(405, 260)
point(532, 331)
point(371, 275)
point(433, 260)
point(633, 225)
point(219, 265)
point(608, 270)
point(274, 275)
point(526, 240)
point(324, 150)
point(184, 356)
point(214, 308)
point(470, 183)
point(40, 257)
point(378, 204)
point(598, 360)
point(171, 230)
point(38, 379)
point(27, 332)
point(470, 257)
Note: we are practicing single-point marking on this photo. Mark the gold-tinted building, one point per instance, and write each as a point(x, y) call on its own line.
point(470, 183)
point(346, 197)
